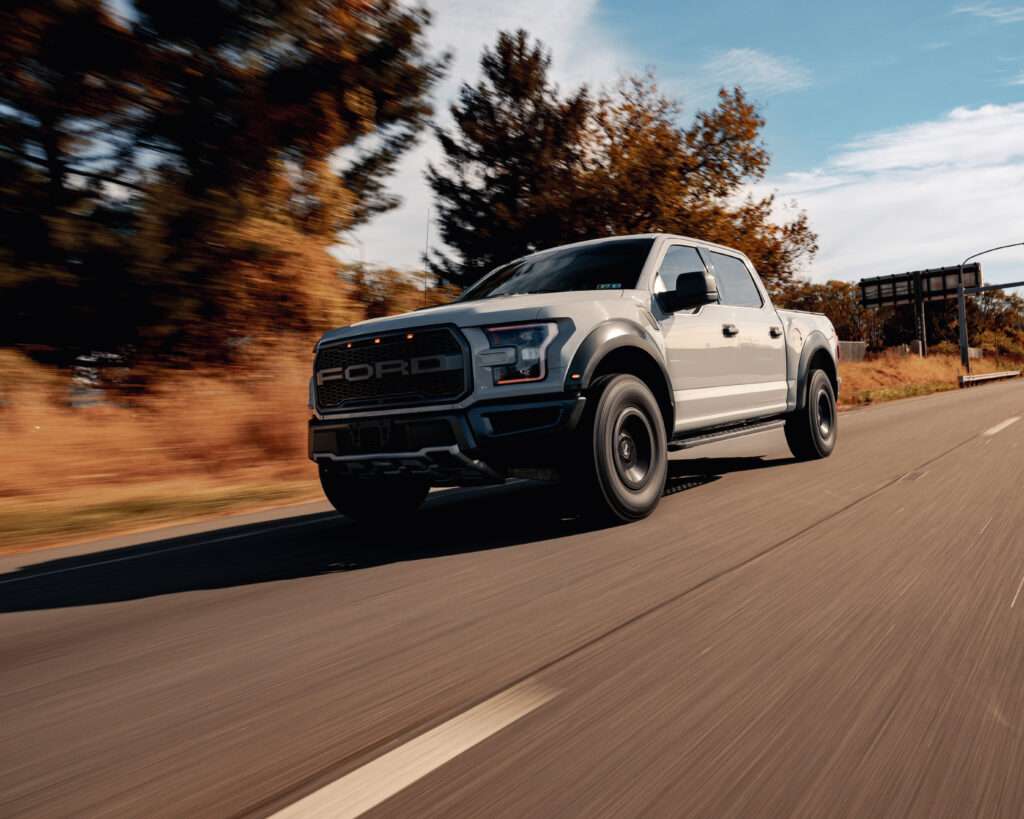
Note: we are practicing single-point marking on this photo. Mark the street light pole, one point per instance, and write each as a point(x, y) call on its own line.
point(965, 358)
point(961, 301)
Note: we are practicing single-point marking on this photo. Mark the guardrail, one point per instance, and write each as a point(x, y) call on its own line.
point(971, 380)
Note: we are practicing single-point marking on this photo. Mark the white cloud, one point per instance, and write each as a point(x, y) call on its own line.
point(582, 52)
point(1000, 14)
point(924, 195)
point(966, 136)
point(758, 72)
point(1018, 80)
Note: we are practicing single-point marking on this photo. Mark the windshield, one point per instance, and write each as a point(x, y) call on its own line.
point(610, 265)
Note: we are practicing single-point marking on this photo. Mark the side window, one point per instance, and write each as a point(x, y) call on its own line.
point(678, 259)
point(735, 284)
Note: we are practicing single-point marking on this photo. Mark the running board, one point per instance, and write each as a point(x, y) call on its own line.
point(724, 435)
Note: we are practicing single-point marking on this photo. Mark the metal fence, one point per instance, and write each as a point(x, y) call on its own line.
point(852, 350)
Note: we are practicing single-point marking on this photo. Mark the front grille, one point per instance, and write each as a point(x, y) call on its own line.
point(401, 369)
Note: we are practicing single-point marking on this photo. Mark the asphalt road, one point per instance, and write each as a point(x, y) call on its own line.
point(839, 638)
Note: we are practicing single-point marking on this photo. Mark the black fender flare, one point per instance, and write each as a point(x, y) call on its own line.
point(814, 343)
point(611, 335)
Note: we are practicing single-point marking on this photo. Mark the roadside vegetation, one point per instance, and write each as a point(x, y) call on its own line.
point(197, 443)
point(78, 462)
point(889, 376)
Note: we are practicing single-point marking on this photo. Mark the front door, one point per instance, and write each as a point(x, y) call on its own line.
point(702, 352)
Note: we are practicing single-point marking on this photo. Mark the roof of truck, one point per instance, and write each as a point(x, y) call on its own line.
point(693, 239)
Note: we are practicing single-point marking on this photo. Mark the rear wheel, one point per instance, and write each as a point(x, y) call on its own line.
point(811, 432)
point(377, 500)
point(622, 458)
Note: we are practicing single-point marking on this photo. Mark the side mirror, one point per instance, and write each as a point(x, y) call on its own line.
point(692, 290)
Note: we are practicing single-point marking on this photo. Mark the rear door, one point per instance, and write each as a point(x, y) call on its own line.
point(702, 356)
point(761, 345)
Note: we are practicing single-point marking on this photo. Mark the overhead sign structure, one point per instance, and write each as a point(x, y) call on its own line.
point(938, 284)
point(918, 287)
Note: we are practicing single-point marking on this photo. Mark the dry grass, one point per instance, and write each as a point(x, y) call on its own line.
point(39, 520)
point(201, 443)
point(890, 376)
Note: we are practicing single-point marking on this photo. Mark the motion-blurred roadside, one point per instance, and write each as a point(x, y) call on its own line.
point(217, 438)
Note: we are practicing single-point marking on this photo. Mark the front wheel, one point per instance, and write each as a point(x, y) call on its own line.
point(623, 453)
point(373, 500)
point(811, 432)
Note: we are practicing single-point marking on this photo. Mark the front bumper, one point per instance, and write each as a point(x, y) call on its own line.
point(484, 443)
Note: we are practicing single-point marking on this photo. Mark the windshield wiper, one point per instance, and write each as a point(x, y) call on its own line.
point(523, 293)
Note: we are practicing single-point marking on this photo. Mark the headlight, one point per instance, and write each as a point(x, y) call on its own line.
point(518, 352)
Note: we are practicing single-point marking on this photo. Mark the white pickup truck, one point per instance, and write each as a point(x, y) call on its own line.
point(586, 363)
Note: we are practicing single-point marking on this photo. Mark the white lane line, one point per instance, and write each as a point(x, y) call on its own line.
point(368, 786)
point(1019, 587)
point(1000, 427)
point(155, 552)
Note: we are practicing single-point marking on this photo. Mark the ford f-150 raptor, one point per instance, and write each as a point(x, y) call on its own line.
point(587, 363)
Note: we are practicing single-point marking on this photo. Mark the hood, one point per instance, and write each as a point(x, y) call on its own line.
point(498, 310)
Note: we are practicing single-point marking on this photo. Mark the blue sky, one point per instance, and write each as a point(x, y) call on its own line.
point(853, 68)
point(897, 126)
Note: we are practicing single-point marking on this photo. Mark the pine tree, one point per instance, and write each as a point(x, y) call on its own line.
point(511, 162)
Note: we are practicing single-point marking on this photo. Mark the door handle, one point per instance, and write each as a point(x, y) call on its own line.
point(730, 330)
point(775, 332)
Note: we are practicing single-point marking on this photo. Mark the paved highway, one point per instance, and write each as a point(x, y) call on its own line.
point(840, 638)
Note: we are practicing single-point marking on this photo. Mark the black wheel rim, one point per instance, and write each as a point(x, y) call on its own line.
point(826, 418)
point(633, 445)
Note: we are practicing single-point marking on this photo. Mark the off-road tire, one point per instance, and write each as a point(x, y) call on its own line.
point(811, 432)
point(621, 457)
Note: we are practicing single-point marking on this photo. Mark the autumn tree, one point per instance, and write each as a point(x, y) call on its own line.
point(996, 322)
point(67, 78)
point(385, 291)
point(207, 154)
point(652, 175)
point(840, 301)
point(619, 163)
point(995, 318)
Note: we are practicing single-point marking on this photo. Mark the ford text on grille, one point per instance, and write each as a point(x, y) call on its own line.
point(395, 367)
